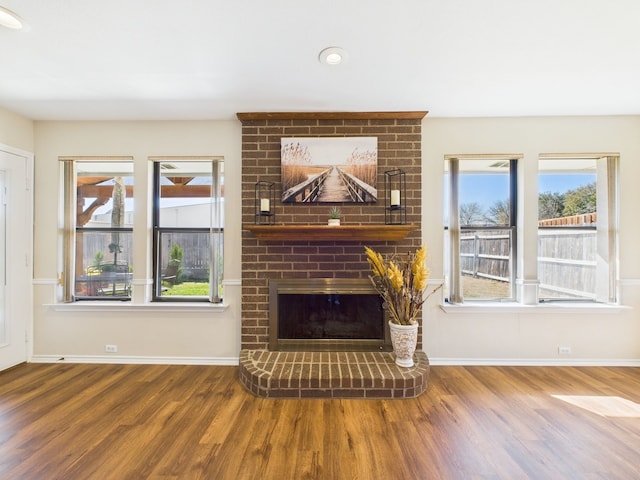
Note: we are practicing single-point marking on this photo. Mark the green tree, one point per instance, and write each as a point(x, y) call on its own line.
point(550, 205)
point(176, 253)
point(580, 200)
point(98, 258)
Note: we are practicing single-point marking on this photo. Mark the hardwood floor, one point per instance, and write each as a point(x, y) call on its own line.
point(66, 421)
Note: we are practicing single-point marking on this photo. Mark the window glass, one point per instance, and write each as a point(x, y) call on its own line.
point(103, 249)
point(567, 228)
point(480, 192)
point(189, 230)
point(484, 193)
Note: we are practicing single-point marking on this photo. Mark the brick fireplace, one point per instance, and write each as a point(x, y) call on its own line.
point(296, 256)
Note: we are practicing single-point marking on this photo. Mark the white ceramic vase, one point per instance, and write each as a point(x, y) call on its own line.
point(404, 339)
point(334, 222)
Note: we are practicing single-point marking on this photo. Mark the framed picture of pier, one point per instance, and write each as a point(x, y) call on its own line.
point(329, 169)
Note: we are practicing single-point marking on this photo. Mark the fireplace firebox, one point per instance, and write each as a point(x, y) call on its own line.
point(327, 314)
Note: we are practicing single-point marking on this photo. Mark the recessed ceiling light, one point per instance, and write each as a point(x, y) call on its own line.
point(10, 20)
point(333, 56)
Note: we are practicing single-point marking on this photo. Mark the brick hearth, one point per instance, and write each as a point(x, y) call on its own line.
point(331, 374)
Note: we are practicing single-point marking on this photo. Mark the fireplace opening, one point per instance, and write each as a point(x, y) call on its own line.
point(326, 314)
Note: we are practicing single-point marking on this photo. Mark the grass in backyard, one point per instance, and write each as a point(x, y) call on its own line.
point(188, 289)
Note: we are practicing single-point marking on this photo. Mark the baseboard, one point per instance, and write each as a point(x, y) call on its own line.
point(535, 362)
point(219, 361)
point(234, 361)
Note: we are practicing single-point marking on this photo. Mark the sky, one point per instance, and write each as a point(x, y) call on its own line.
point(487, 189)
point(562, 183)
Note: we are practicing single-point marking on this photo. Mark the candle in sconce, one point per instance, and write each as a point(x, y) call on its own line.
point(395, 198)
point(264, 205)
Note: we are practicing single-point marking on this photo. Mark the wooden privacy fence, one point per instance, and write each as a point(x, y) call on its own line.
point(567, 263)
point(582, 219)
point(566, 259)
point(98, 241)
point(485, 254)
point(196, 251)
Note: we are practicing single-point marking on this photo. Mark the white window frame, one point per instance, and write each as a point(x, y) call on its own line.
point(527, 286)
point(215, 229)
point(66, 300)
point(455, 229)
point(69, 171)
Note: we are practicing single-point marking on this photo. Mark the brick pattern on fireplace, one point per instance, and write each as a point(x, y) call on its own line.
point(399, 146)
point(331, 375)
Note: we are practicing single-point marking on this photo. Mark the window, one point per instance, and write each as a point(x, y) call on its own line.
point(188, 229)
point(576, 228)
point(99, 229)
point(98, 251)
point(480, 228)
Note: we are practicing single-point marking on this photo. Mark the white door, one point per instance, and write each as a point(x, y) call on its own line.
point(16, 307)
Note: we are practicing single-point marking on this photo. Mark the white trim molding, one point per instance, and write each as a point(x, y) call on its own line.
point(535, 362)
point(550, 307)
point(127, 306)
point(215, 361)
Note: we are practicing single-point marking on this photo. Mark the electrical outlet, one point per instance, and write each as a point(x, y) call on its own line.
point(564, 350)
point(111, 348)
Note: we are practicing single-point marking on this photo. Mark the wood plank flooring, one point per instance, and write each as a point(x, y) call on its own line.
point(74, 421)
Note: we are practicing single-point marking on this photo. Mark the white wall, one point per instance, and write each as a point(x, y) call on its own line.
point(16, 131)
point(163, 333)
point(533, 335)
point(496, 336)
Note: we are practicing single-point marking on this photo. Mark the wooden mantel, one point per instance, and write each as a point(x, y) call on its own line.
point(410, 115)
point(324, 233)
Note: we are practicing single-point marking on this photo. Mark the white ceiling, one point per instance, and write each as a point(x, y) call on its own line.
point(208, 59)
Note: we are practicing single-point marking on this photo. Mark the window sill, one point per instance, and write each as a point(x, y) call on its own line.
point(568, 307)
point(97, 306)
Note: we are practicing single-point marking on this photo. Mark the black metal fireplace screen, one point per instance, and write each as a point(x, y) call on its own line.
point(326, 314)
